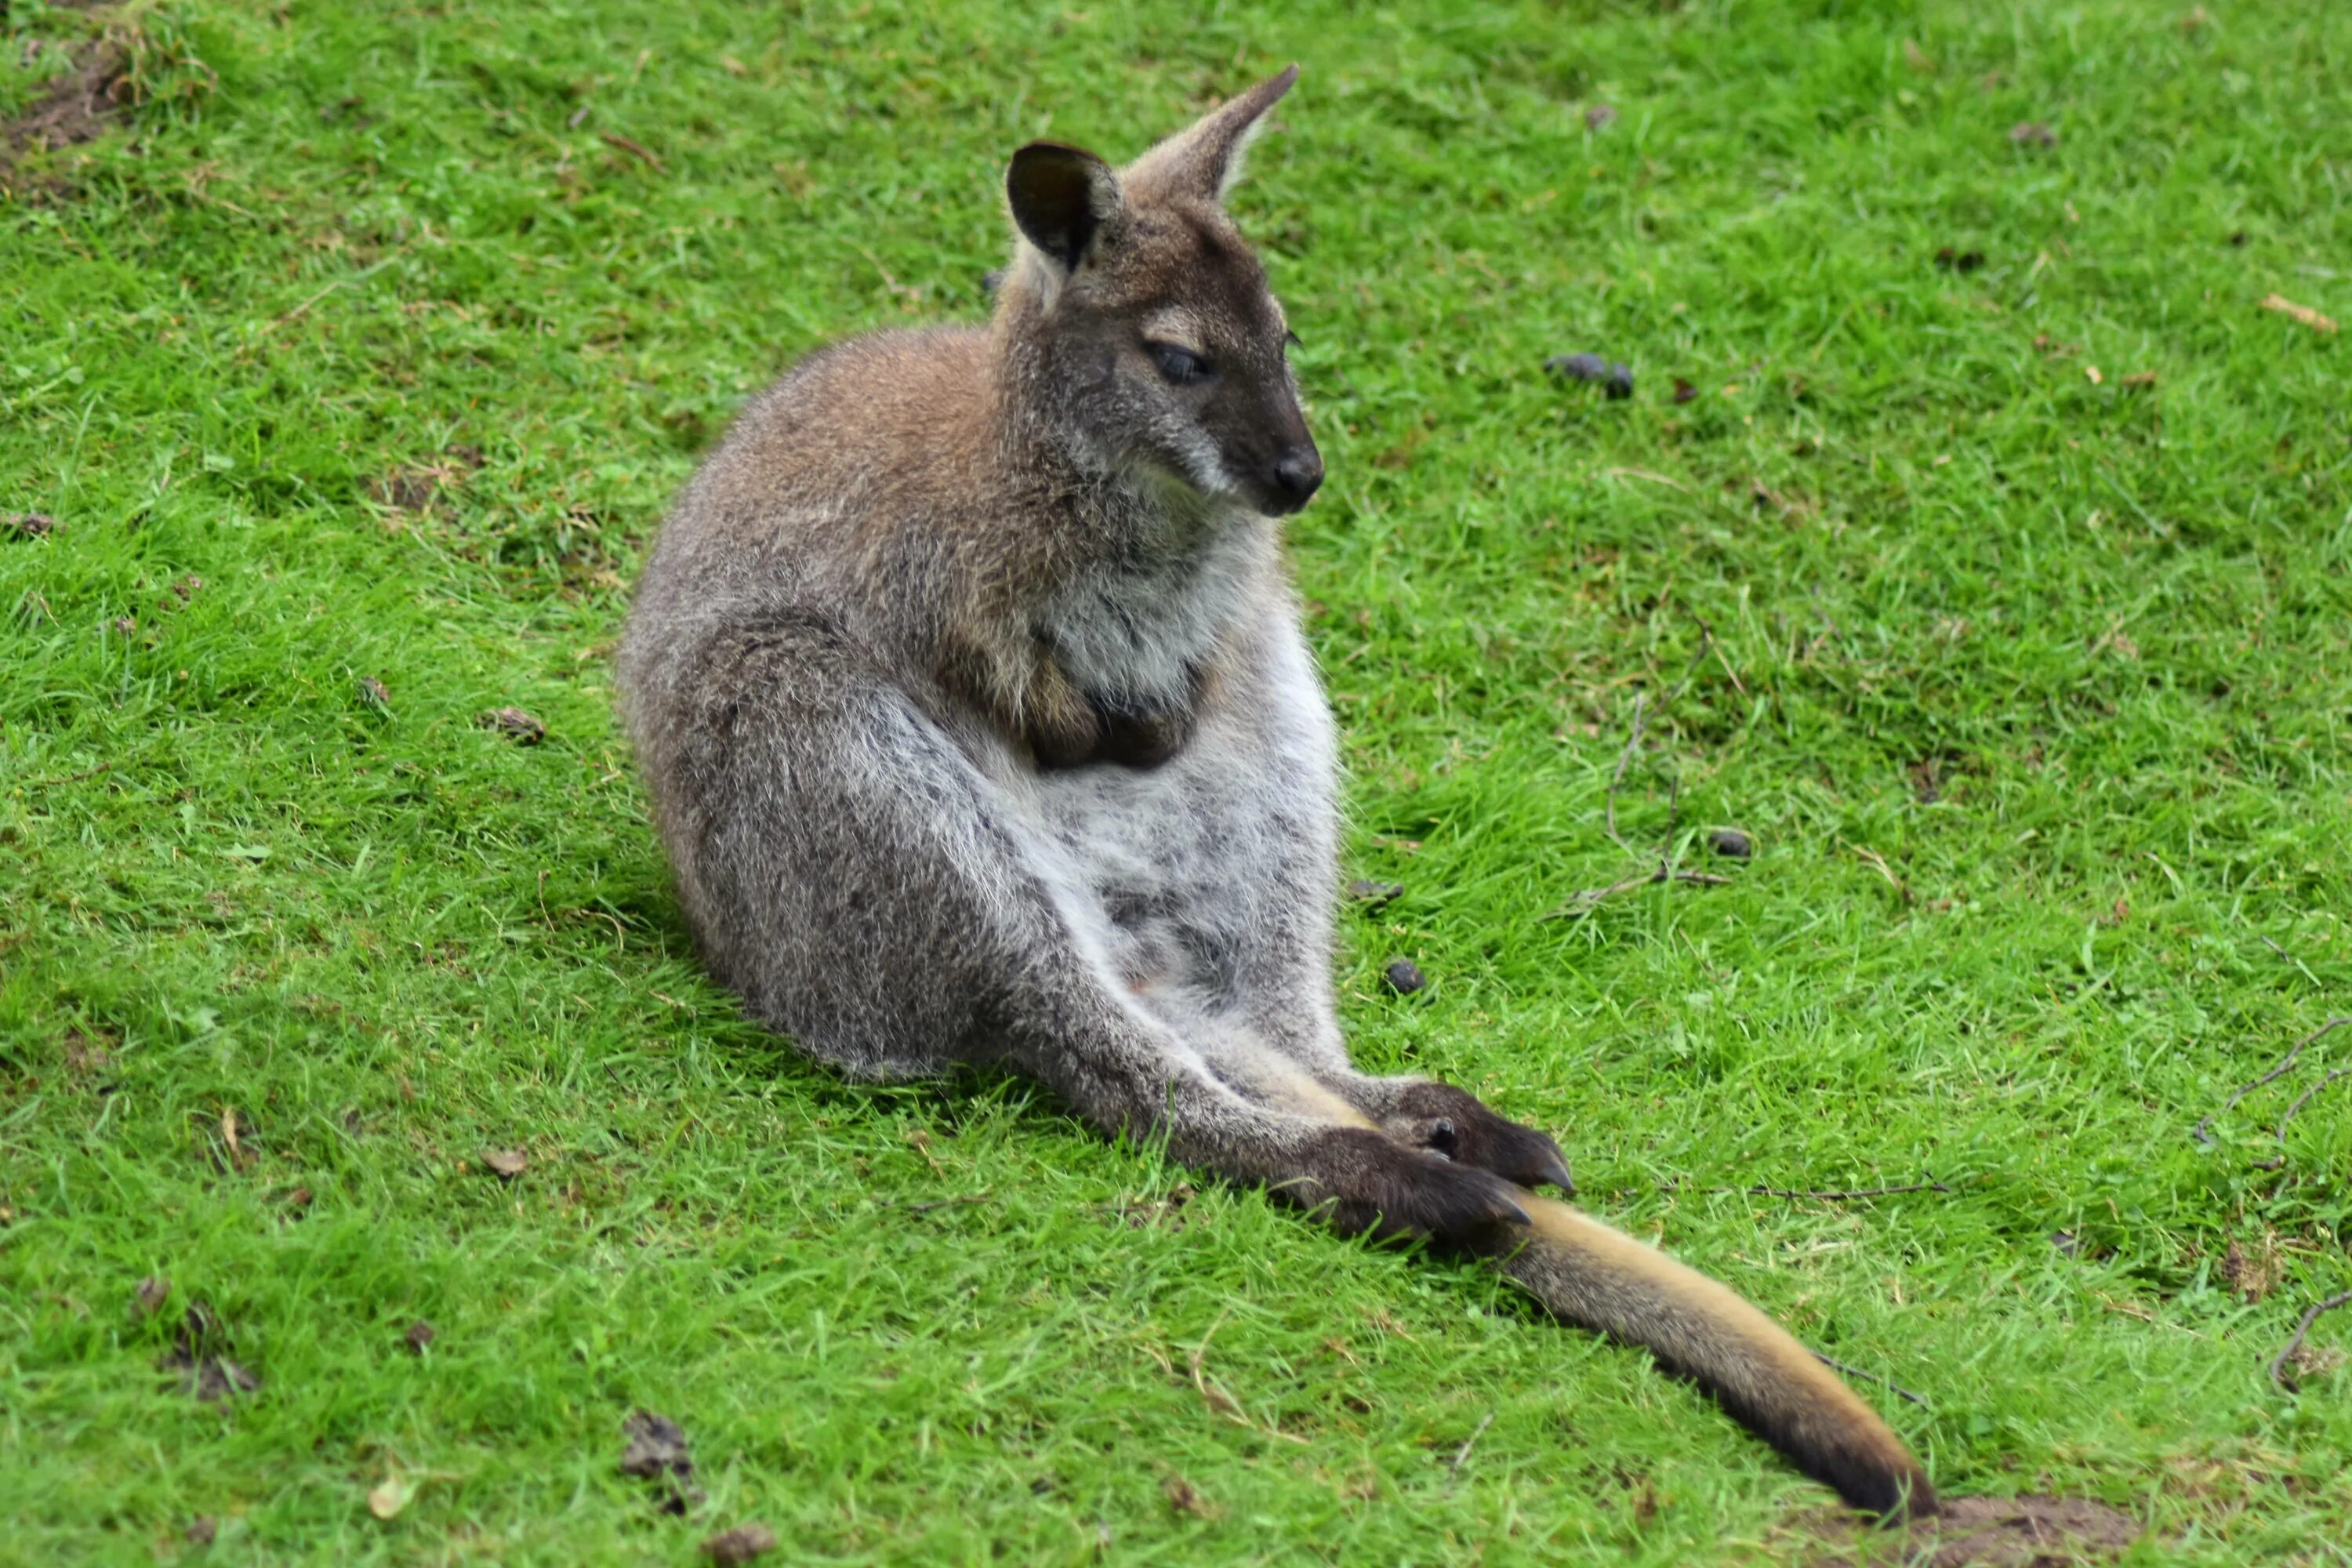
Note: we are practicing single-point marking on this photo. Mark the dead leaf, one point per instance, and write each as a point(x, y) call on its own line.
point(419, 1335)
point(387, 1497)
point(1917, 58)
point(2033, 134)
point(2253, 1273)
point(2095, 375)
point(195, 1356)
point(514, 724)
point(732, 65)
point(152, 1292)
point(1185, 1498)
point(658, 1448)
point(2139, 380)
point(2304, 313)
point(373, 693)
point(507, 1163)
point(730, 1548)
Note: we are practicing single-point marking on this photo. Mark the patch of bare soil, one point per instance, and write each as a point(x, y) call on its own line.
point(75, 109)
point(1975, 1532)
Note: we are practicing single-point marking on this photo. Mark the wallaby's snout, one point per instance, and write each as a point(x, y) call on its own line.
point(1297, 476)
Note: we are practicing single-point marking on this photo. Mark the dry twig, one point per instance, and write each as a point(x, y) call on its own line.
point(1929, 1186)
point(1578, 903)
point(1463, 1453)
point(1892, 1387)
point(2284, 1062)
point(635, 149)
point(2279, 1375)
point(1617, 779)
point(2302, 1099)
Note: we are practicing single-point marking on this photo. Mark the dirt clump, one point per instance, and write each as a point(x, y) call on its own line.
point(1974, 1532)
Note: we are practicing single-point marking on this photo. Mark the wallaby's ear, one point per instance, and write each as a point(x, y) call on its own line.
point(1206, 159)
point(1063, 199)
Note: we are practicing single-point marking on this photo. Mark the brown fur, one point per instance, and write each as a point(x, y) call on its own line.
point(980, 727)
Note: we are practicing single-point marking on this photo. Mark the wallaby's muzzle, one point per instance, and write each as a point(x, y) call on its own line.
point(1296, 478)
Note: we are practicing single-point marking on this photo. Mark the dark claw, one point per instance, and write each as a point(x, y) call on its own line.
point(1554, 1170)
point(1366, 1180)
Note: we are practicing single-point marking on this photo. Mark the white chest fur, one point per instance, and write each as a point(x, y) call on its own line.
point(1137, 624)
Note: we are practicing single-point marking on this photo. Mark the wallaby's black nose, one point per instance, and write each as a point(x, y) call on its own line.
point(1298, 474)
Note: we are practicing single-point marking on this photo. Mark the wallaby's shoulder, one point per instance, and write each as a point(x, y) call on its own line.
point(874, 416)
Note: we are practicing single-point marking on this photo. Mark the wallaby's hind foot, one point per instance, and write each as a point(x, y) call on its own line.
point(1363, 1180)
point(1458, 1125)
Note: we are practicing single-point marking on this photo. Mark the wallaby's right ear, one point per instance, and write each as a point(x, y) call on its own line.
point(1064, 199)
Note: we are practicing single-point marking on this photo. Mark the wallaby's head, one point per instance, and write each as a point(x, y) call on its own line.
point(1138, 316)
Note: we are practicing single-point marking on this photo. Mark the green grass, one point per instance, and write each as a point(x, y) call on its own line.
point(2112, 626)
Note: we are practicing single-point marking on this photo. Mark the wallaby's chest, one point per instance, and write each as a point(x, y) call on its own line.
point(1136, 629)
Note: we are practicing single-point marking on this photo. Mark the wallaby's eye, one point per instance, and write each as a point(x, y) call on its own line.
point(1183, 367)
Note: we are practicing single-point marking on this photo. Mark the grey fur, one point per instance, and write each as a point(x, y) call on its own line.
point(971, 696)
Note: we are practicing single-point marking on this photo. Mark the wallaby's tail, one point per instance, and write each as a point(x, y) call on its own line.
point(1590, 1276)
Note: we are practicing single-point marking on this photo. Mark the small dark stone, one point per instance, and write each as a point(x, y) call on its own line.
point(1730, 841)
point(1404, 976)
point(1619, 382)
point(420, 1334)
point(1374, 895)
point(1599, 117)
point(1578, 367)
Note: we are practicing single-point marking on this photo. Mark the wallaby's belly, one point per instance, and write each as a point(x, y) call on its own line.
point(1171, 875)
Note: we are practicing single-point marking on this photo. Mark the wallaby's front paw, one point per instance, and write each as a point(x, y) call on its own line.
point(1446, 1120)
point(1364, 1180)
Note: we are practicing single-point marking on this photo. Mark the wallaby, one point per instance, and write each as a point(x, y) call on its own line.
point(971, 696)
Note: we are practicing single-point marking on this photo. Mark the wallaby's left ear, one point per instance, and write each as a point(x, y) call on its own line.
point(1063, 198)
point(1206, 159)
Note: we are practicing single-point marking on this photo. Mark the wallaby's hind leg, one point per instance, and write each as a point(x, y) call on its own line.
point(867, 890)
